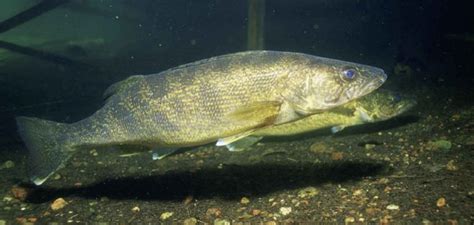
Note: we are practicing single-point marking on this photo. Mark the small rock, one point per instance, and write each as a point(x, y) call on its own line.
point(271, 223)
point(244, 201)
point(369, 146)
point(426, 222)
point(285, 211)
point(190, 221)
point(136, 209)
point(94, 152)
point(3, 222)
point(385, 220)
point(393, 207)
point(443, 145)
point(20, 193)
point(58, 204)
point(166, 215)
point(308, 192)
point(246, 216)
point(57, 176)
point(451, 166)
point(441, 202)
point(452, 222)
point(357, 192)
point(7, 165)
point(188, 200)
point(371, 211)
point(319, 148)
point(221, 222)
point(216, 212)
point(349, 220)
point(256, 212)
point(336, 156)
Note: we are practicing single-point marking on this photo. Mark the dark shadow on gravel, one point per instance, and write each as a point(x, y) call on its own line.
point(230, 182)
point(379, 126)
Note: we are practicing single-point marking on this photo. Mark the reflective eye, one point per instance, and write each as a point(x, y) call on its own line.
point(349, 74)
point(397, 98)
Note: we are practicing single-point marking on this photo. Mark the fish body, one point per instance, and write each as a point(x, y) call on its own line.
point(377, 106)
point(225, 97)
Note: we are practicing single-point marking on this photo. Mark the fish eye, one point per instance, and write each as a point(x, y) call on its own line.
point(396, 98)
point(349, 74)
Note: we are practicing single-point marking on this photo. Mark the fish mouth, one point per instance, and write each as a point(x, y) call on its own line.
point(380, 79)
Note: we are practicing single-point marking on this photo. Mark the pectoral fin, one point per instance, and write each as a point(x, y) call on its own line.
point(243, 144)
point(260, 112)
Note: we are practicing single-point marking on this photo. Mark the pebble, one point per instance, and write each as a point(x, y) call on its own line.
point(443, 145)
point(188, 200)
point(441, 202)
point(393, 207)
point(336, 156)
point(7, 165)
point(166, 215)
point(58, 204)
point(452, 222)
point(57, 176)
point(319, 148)
point(244, 201)
point(451, 166)
point(136, 209)
point(221, 222)
point(271, 223)
point(426, 222)
point(308, 192)
point(245, 216)
point(285, 211)
point(256, 212)
point(357, 192)
point(349, 220)
point(190, 221)
point(216, 212)
point(19, 193)
point(369, 146)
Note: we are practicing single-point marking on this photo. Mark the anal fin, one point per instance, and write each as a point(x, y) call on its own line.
point(227, 140)
point(243, 144)
point(161, 153)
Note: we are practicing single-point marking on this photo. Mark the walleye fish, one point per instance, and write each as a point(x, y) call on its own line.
point(377, 106)
point(223, 98)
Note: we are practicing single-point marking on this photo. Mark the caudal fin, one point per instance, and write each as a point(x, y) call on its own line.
point(47, 145)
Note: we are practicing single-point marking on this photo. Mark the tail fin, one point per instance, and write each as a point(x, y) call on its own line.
point(47, 145)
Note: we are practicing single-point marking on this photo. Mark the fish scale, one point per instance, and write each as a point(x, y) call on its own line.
point(222, 98)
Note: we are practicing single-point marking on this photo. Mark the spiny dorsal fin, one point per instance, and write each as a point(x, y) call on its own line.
point(121, 85)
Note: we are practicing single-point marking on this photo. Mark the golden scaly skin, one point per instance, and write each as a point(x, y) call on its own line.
point(218, 98)
point(377, 106)
point(192, 104)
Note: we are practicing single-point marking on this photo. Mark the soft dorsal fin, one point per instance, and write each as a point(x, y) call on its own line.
point(121, 85)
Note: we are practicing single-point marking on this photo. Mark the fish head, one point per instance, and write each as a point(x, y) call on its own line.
point(382, 105)
point(327, 83)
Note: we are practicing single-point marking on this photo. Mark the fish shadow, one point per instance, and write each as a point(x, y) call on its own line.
point(230, 182)
point(379, 126)
point(352, 130)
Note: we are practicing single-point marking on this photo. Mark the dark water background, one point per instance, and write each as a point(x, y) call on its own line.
point(57, 65)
